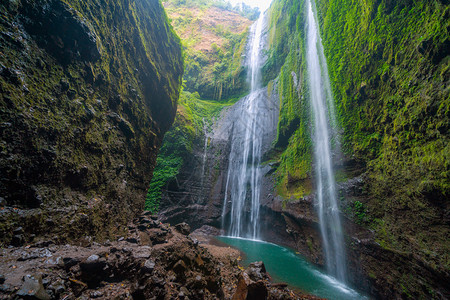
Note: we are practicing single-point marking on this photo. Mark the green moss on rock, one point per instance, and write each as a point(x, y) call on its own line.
point(88, 90)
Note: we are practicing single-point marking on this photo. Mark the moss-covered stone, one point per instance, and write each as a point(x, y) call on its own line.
point(88, 90)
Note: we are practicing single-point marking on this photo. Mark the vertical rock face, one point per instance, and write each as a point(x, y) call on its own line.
point(197, 193)
point(391, 176)
point(87, 91)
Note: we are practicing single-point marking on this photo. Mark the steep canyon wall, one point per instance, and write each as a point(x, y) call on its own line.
point(88, 89)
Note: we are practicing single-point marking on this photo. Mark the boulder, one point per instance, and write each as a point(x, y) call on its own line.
point(148, 266)
point(183, 228)
point(248, 289)
point(32, 288)
point(257, 271)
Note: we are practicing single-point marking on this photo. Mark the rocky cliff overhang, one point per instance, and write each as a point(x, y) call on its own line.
point(87, 91)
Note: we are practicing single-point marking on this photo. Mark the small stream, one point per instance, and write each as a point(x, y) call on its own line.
point(284, 265)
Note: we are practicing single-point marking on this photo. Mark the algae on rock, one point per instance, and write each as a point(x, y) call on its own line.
point(88, 90)
point(388, 63)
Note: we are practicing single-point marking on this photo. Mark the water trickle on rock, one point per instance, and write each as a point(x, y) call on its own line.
point(326, 200)
point(205, 148)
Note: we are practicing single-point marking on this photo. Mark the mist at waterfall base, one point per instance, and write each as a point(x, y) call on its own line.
point(284, 265)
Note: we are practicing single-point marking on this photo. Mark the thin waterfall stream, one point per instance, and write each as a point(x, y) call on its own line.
point(327, 207)
point(205, 148)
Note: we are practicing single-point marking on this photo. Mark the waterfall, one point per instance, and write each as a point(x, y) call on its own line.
point(320, 95)
point(205, 148)
point(253, 120)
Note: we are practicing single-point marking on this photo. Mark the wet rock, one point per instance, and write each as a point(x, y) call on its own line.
point(27, 256)
point(71, 94)
point(143, 252)
point(70, 262)
point(183, 228)
point(46, 282)
point(93, 264)
point(247, 289)
point(124, 125)
point(257, 291)
point(257, 271)
point(38, 253)
point(132, 240)
point(148, 266)
point(280, 285)
point(180, 267)
point(18, 230)
point(58, 287)
point(42, 244)
point(242, 287)
point(208, 231)
point(17, 240)
point(159, 236)
point(6, 288)
point(96, 294)
point(142, 227)
point(93, 258)
point(64, 85)
point(73, 38)
point(32, 288)
point(148, 223)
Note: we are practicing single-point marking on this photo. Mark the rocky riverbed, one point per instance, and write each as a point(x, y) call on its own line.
point(154, 261)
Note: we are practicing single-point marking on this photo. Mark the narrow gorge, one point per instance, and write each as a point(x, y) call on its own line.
point(215, 149)
point(319, 184)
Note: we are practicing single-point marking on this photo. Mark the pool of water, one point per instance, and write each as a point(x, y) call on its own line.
point(284, 265)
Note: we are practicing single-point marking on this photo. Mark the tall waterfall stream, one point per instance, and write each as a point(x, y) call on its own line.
point(327, 207)
point(244, 173)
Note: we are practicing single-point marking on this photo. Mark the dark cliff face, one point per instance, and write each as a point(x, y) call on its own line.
point(88, 89)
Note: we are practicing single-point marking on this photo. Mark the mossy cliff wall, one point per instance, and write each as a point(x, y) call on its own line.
point(388, 63)
point(88, 89)
point(214, 38)
point(389, 67)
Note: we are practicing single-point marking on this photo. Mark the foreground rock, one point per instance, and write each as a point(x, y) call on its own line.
point(154, 261)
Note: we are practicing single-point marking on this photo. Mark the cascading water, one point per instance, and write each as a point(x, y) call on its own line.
point(327, 207)
point(254, 119)
point(205, 148)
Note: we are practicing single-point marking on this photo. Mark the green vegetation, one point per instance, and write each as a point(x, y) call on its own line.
point(359, 211)
point(389, 70)
point(243, 10)
point(285, 70)
point(194, 116)
point(214, 37)
point(388, 66)
point(79, 125)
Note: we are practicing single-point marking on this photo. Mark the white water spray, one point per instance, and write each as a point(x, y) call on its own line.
point(243, 185)
point(320, 94)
